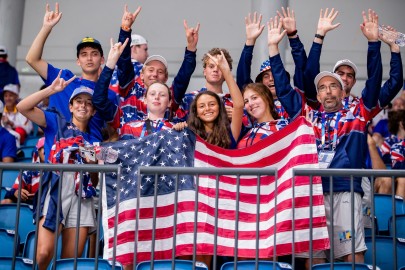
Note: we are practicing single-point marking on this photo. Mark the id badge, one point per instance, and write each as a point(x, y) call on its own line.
point(325, 158)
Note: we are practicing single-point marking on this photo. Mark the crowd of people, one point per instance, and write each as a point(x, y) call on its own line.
point(129, 98)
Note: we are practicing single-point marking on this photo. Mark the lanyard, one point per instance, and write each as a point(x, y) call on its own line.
point(252, 134)
point(335, 130)
point(347, 102)
point(148, 127)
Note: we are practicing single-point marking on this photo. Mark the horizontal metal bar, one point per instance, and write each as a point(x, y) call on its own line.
point(59, 167)
point(199, 170)
point(349, 172)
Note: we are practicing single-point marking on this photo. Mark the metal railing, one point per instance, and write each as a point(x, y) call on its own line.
point(216, 174)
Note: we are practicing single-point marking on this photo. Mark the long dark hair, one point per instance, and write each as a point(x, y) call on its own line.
point(221, 130)
point(395, 118)
point(266, 95)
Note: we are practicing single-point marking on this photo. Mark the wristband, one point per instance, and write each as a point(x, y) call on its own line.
point(125, 28)
point(319, 36)
point(293, 33)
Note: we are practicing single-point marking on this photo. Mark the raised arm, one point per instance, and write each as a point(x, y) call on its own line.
point(254, 29)
point(28, 106)
point(325, 24)
point(289, 98)
point(297, 48)
point(236, 95)
point(182, 79)
point(108, 111)
point(125, 70)
point(371, 92)
point(394, 84)
point(34, 55)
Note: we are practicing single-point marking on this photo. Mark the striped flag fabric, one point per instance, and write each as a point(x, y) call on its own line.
point(292, 147)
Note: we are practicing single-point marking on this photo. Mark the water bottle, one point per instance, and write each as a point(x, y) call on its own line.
point(397, 37)
point(107, 154)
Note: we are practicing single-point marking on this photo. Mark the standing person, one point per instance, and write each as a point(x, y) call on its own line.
point(89, 57)
point(8, 73)
point(347, 70)
point(214, 80)
point(139, 54)
point(63, 136)
point(209, 120)
point(265, 76)
point(208, 116)
point(157, 99)
point(16, 123)
point(155, 69)
point(8, 146)
point(341, 139)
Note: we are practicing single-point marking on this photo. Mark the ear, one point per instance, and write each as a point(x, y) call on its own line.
point(77, 62)
point(318, 98)
point(204, 73)
point(102, 60)
point(70, 107)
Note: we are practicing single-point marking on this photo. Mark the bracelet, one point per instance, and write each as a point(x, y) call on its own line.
point(293, 33)
point(125, 28)
point(319, 36)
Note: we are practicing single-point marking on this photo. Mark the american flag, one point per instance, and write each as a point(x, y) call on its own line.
point(292, 147)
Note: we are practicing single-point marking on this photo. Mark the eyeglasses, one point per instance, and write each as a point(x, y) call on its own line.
point(332, 87)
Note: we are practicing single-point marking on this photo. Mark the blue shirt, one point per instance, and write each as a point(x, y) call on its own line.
point(8, 147)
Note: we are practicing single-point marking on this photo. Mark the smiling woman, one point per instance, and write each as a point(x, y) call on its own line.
point(260, 107)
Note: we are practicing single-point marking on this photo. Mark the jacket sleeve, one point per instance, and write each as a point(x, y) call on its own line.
point(244, 67)
point(182, 79)
point(300, 61)
point(371, 92)
point(312, 69)
point(107, 109)
point(125, 69)
point(394, 84)
point(289, 98)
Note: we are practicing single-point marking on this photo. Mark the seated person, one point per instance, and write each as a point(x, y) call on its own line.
point(29, 179)
point(8, 147)
point(16, 123)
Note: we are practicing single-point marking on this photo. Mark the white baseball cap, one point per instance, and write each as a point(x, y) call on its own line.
point(13, 88)
point(156, 58)
point(327, 74)
point(345, 62)
point(3, 50)
point(138, 40)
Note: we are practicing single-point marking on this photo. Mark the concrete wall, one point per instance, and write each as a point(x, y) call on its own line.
point(222, 25)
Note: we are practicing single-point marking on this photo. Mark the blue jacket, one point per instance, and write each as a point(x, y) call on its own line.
point(351, 140)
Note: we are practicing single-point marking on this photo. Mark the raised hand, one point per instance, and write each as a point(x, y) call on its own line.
point(220, 61)
point(369, 27)
point(388, 35)
point(274, 33)
point(325, 22)
point(253, 28)
point(128, 18)
point(51, 18)
point(115, 53)
point(59, 83)
point(192, 36)
point(288, 19)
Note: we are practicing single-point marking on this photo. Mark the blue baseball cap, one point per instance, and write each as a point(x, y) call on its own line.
point(89, 42)
point(81, 90)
